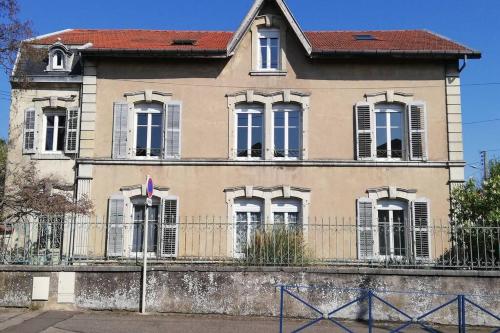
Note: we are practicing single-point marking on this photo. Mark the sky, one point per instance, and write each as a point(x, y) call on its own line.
point(473, 23)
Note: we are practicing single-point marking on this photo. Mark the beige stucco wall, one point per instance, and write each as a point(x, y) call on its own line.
point(63, 168)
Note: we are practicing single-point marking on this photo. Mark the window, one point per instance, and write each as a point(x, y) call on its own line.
point(58, 60)
point(250, 131)
point(139, 214)
point(50, 232)
point(389, 130)
point(287, 131)
point(55, 130)
point(149, 130)
point(364, 37)
point(286, 212)
point(269, 49)
point(392, 239)
point(248, 219)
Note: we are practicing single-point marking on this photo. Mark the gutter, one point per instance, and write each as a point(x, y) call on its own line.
point(396, 53)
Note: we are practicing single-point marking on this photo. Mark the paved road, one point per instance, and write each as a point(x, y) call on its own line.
point(23, 321)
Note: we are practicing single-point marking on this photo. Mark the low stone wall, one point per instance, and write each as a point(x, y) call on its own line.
point(254, 291)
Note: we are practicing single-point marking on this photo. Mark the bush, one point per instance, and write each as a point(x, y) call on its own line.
point(277, 247)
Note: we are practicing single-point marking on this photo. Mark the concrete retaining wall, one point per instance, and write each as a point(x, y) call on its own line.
point(253, 291)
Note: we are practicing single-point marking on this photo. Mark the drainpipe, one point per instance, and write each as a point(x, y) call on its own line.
point(463, 65)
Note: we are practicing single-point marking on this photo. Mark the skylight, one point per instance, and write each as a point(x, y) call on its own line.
point(364, 37)
point(183, 42)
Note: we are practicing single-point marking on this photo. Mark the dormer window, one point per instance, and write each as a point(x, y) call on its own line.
point(269, 50)
point(58, 60)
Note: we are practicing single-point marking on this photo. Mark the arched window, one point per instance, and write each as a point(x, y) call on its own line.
point(58, 60)
point(248, 216)
point(286, 212)
point(287, 128)
point(390, 130)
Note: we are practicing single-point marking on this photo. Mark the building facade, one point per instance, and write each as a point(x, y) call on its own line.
point(269, 125)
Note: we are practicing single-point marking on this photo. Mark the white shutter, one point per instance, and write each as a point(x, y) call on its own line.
point(115, 227)
point(169, 228)
point(120, 129)
point(417, 125)
point(29, 131)
point(72, 127)
point(421, 229)
point(366, 227)
point(172, 138)
point(365, 145)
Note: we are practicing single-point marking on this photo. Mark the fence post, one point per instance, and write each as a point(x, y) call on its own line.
point(461, 314)
point(281, 307)
point(370, 315)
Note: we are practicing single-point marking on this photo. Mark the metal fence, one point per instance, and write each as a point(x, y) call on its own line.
point(66, 240)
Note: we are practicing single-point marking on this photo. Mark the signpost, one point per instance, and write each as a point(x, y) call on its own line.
point(149, 203)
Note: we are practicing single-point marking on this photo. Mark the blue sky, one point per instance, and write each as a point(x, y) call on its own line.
point(475, 24)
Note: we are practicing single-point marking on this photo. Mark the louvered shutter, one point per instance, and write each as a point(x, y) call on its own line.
point(417, 125)
point(169, 225)
point(120, 129)
point(421, 229)
point(364, 131)
point(29, 131)
point(72, 127)
point(115, 227)
point(366, 227)
point(172, 143)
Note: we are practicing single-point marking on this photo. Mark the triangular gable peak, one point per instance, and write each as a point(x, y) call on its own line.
point(252, 15)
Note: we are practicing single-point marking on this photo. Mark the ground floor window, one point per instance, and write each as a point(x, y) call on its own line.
point(50, 232)
point(392, 221)
point(138, 228)
point(286, 212)
point(248, 219)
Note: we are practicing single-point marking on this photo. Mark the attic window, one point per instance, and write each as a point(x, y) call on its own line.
point(58, 60)
point(364, 37)
point(184, 42)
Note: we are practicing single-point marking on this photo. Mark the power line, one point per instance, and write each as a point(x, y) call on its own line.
point(482, 121)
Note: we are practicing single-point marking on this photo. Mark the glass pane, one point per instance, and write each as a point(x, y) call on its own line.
point(274, 53)
point(242, 141)
point(138, 228)
point(156, 119)
point(383, 232)
point(396, 119)
point(399, 233)
point(156, 138)
point(293, 221)
point(381, 142)
point(279, 218)
point(396, 142)
point(381, 119)
point(60, 138)
point(141, 146)
point(49, 137)
point(279, 119)
point(153, 228)
point(255, 223)
point(263, 52)
point(293, 134)
point(142, 119)
point(242, 119)
point(257, 135)
point(62, 122)
point(50, 121)
point(279, 142)
point(241, 237)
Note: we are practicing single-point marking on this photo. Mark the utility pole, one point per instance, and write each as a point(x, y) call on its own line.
point(486, 166)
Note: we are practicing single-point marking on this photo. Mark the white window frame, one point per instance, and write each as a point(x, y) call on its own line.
point(142, 202)
point(286, 109)
point(56, 114)
point(150, 111)
point(250, 206)
point(286, 206)
point(250, 110)
point(388, 109)
point(269, 34)
point(55, 54)
point(391, 206)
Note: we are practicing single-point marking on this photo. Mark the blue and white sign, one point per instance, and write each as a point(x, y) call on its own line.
point(149, 191)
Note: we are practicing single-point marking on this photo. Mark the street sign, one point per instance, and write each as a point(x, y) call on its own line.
point(149, 202)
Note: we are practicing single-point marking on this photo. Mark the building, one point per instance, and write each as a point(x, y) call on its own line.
point(266, 125)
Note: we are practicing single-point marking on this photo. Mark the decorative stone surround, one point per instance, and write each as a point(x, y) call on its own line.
point(268, 99)
point(391, 192)
point(389, 96)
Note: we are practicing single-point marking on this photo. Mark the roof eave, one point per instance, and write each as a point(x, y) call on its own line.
point(219, 54)
point(419, 54)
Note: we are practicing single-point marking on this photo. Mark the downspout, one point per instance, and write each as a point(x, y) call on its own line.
point(463, 65)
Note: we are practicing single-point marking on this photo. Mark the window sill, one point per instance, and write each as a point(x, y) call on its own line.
point(268, 73)
point(50, 156)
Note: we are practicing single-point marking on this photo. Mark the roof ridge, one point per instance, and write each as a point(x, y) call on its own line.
point(149, 30)
point(368, 30)
point(450, 40)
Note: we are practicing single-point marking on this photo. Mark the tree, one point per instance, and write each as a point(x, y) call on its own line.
point(12, 32)
point(3, 166)
point(475, 213)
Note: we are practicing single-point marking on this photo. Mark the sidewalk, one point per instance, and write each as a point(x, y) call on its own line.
point(24, 321)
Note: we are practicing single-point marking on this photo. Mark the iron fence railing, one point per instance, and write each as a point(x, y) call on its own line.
point(62, 240)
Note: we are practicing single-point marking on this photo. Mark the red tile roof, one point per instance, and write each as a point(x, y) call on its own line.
point(401, 41)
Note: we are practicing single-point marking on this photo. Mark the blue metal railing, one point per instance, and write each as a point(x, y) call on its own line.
point(370, 296)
